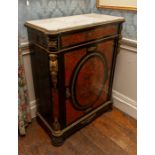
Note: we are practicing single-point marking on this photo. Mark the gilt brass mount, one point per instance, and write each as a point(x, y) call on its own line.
point(53, 64)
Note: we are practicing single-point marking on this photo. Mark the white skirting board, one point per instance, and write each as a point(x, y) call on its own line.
point(33, 108)
point(125, 104)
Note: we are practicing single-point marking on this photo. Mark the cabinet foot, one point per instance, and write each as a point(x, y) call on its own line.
point(57, 141)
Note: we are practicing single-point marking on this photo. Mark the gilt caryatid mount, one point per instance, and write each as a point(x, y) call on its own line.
point(53, 64)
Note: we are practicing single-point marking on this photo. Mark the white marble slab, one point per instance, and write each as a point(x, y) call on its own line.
point(61, 24)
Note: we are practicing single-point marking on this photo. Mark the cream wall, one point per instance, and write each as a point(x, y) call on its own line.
point(124, 86)
point(125, 74)
point(125, 79)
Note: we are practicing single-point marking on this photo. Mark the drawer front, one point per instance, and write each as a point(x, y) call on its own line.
point(88, 35)
point(87, 76)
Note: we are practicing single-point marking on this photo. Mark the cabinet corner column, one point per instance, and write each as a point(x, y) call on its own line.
point(53, 67)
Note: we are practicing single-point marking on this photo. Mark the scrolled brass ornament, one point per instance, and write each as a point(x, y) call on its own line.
point(52, 44)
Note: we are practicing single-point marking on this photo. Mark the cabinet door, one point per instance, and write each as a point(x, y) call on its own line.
point(87, 77)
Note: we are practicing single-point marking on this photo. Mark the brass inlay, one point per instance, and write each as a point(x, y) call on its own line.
point(53, 64)
point(89, 119)
point(91, 49)
point(89, 109)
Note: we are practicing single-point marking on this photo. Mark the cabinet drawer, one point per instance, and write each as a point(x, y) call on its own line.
point(82, 36)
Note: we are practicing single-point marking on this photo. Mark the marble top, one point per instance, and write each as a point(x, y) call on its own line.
point(60, 24)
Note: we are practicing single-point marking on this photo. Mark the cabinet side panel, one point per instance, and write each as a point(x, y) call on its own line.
point(42, 83)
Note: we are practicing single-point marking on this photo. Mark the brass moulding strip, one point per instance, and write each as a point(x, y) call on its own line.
point(76, 46)
point(88, 117)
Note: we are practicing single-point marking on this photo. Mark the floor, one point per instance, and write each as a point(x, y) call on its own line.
point(113, 133)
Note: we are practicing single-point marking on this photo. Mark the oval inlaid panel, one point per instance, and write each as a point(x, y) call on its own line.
point(88, 80)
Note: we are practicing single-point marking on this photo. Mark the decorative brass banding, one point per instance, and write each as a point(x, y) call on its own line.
point(53, 64)
point(89, 109)
point(89, 119)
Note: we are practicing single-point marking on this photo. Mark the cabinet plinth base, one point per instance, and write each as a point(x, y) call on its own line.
point(59, 138)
